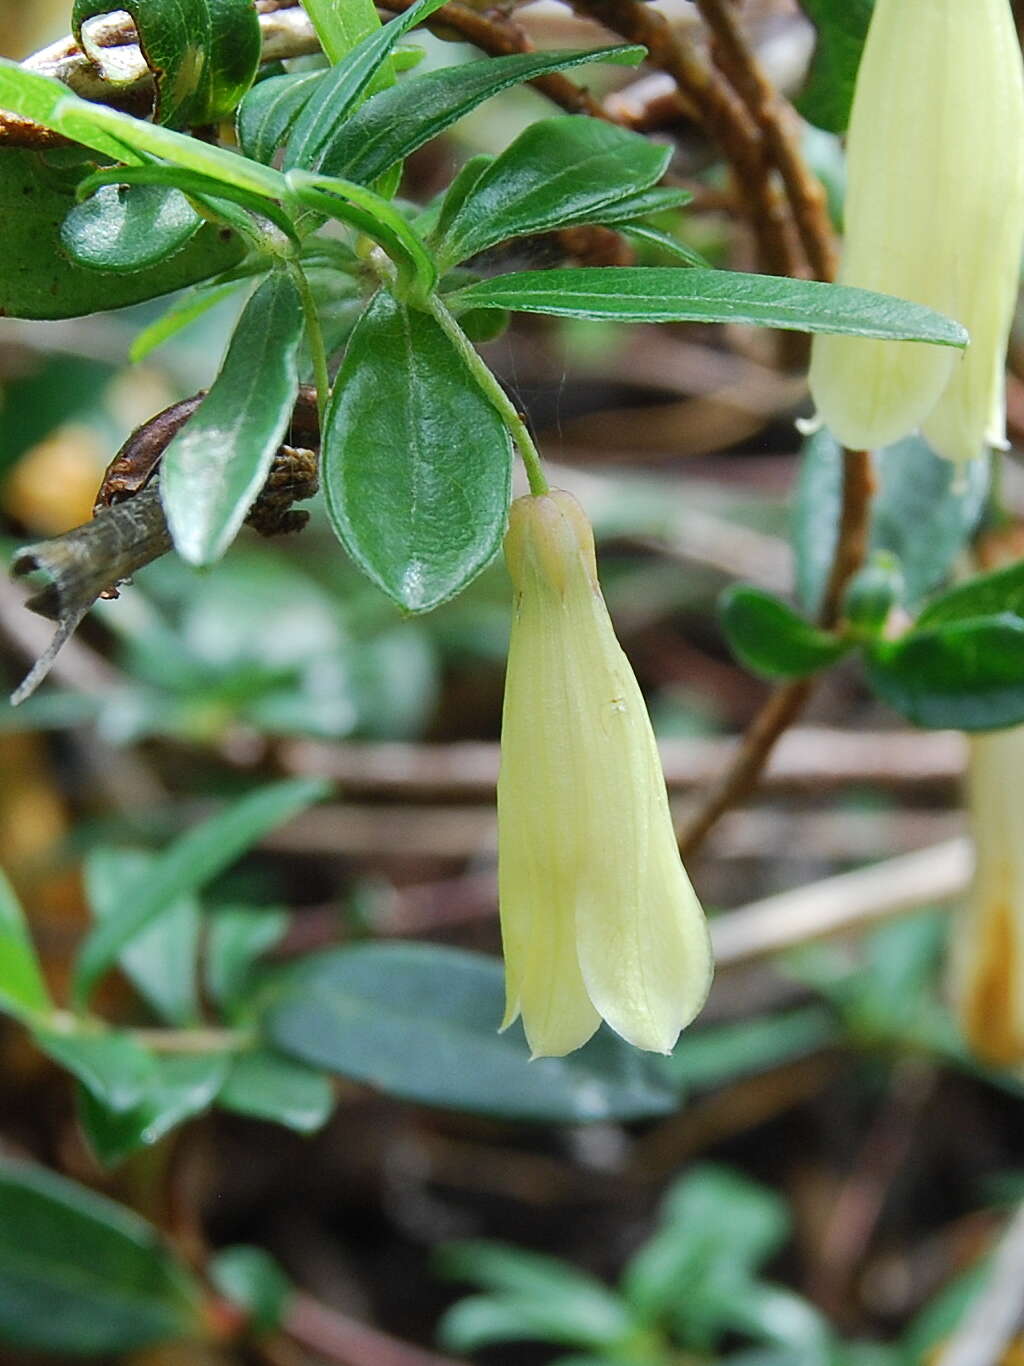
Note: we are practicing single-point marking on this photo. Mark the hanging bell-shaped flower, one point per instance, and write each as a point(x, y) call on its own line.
point(987, 961)
point(598, 917)
point(934, 214)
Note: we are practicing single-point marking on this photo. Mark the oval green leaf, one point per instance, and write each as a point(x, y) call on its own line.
point(770, 638)
point(128, 227)
point(416, 462)
point(966, 675)
point(421, 1022)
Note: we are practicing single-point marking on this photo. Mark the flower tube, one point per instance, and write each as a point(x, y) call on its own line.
point(987, 964)
point(598, 917)
point(934, 214)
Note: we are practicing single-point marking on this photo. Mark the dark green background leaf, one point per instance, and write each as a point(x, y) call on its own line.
point(194, 859)
point(37, 190)
point(214, 468)
point(204, 53)
point(771, 639)
point(421, 1022)
point(180, 1088)
point(663, 294)
point(82, 1276)
point(22, 989)
point(985, 595)
point(967, 675)
point(264, 1084)
point(842, 28)
point(924, 512)
point(416, 461)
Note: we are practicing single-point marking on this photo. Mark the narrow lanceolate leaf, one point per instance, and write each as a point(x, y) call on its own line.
point(341, 24)
point(267, 114)
point(22, 989)
point(664, 294)
point(771, 639)
point(558, 171)
point(204, 53)
point(397, 121)
point(179, 1089)
point(187, 865)
point(215, 467)
point(128, 227)
point(344, 86)
point(416, 461)
point(965, 675)
point(80, 1275)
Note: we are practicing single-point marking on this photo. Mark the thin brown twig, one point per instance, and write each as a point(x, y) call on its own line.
point(338, 1338)
point(773, 116)
point(724, 116)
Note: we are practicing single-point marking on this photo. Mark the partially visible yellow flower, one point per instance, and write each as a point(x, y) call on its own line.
point(988, 939)
point(598, 917)
point(934, 214)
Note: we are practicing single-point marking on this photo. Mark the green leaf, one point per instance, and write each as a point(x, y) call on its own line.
point(181, 314)
point(665, 294)
point(768, 637)
point(161, 961)
point(485, 1320)
point(123, 138)
point(541, 1298)
point(420, 1022)
point(193, 860)
point(341, 24)
point(719, 1054)
point(23, 992)
point(985, 595)
point(253, 1282)
point(842, 28)
point(269, 110)
point(387, 128)
point(716, 1228)
point(203, 53)
point(341, 89)
point(214, 468)
point(112, 1066)
point(79, 1275)
point(372, 214)
point(641, 232)
point(557, 171)
point(180, 1088)
point(965, 675)
point(37, 192)
point(924, 512)
point(236, 938)
point(264, 1084)
point(416, 461)
point(128, 227)
point(643, 204)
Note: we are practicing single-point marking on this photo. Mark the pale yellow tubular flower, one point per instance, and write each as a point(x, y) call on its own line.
point(598, 916)
point(987, 964)
point(934, 214)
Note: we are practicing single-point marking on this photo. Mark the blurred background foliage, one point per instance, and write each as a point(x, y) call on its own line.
point(817, 1173)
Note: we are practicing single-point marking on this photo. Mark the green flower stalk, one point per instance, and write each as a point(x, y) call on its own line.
point(987, 960)
point(934, 214)
point(598, 917)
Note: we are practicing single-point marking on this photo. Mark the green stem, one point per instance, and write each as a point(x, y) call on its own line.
point(314, 332)
point(506, 409)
